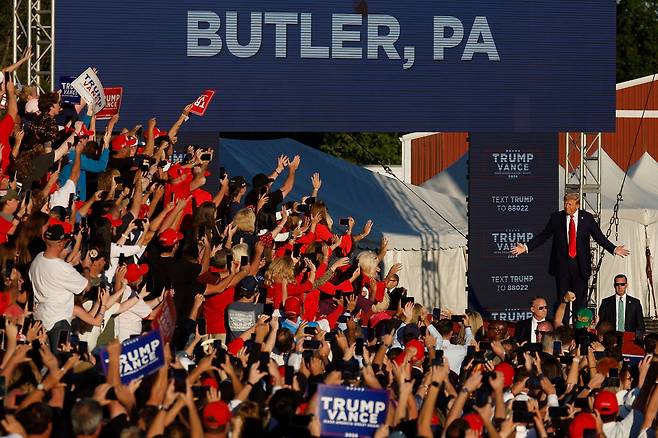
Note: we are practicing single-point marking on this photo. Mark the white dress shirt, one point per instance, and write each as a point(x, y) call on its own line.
point(625, 301)
point(533, 329)
point(575, 220)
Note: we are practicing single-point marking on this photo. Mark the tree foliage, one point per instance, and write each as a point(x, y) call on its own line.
point(637, 39)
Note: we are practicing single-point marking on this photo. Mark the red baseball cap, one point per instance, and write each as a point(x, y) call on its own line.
point(210, 382)
point(156, 133)
point(123, 141)
point(293, 307)
point(581, 422)
point(200, 196)
point(68, 228)
point(508, 373)
point(134, 272)
point(420, 348)
point(176, 170)
point(475, 422)
point(379, 317)
point(216, 414)
point(115, 222)
point(84, 132)
point(234, 346)
point(606, 403)
point(169, 236)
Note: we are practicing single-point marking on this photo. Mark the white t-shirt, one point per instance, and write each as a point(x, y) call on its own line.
point(60, 198)
point(91, 337)
point(54, 283)
point(130, 322)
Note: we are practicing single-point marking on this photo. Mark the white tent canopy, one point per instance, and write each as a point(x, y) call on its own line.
point(431, 250)
point(638, 214)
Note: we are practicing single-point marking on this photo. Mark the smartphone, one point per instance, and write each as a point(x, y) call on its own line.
point(198, 392)
point(28, 195)
point(311, 344)
point(179, 381)
point(268, 309)
point(76, 228)
point(558, 411)
point(342, 319)
point(470, 350)
point(330, 336)
point(122, 259)
point(436, 314)
point(303, 208)
point(206, 156)
point(220, 356)
point(310, 331)
point(290, 374)
point(111, 395)
point(71, 199)
point(222, 173)
point(296, 248)
point(63, 338)
point(244, 260)
point(344, 221)
point(523, 417)
point(263, 362)
point(27, 321)
point(406, 300)
point(533, 347)
point(358, 351)
point(3, 387)
point(485, 346)
point(584, 345)
point(582, 403)
point(310, 200)
point(201, 325)
point(83, 348)
point(74, 340)
point(438, 357)
point(457, 318)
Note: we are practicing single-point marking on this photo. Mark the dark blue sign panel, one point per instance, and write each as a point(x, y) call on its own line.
point(513, 181)
point(348, 411)
point(139, 356)
point(353, 65)
point(69, 95)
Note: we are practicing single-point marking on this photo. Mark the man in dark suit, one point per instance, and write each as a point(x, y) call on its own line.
point(527, 329)
point(621, 309)
point(570, 262)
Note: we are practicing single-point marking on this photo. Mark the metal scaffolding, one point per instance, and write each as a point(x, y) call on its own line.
point(34, 26)
point(582, 174)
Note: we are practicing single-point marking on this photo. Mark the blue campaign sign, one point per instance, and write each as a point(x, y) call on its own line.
point(353, 65)
point(69, 95)
point(350, 412)
point(140, 356)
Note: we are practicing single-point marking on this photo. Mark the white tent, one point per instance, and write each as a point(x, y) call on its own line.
point(638, 217)
point(431, 250)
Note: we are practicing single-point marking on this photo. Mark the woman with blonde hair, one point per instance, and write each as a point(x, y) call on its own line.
point(369, 269)
point(281, 281)
point(243, 228)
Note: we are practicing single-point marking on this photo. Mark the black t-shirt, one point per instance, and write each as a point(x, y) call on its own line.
point(182, 274)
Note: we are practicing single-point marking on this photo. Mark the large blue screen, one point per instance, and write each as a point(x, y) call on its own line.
point(352, 65)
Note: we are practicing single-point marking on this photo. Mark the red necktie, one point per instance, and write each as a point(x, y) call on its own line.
point(572, 237)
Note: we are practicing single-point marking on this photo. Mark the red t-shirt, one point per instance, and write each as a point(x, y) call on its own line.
point(5, 226)
point(214, 309)
point(6, 127)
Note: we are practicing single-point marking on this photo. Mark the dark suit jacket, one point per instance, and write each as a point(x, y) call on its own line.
point(523, 329)
point(557, 229)
point(634, 318)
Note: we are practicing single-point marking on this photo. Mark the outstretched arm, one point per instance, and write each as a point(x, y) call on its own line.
point(536, 241)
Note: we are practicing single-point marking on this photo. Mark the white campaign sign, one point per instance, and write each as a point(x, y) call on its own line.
point(89, 87)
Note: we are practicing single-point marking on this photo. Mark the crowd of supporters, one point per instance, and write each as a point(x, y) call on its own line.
point(100, 231)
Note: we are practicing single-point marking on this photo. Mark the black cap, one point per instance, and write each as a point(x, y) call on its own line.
point(238, 181)
point(260, 180)
point(249, 284)
point(55, 233)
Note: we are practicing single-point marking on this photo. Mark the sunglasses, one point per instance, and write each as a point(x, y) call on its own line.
point(542, 307)
point(541, 332)
point(620, 284)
